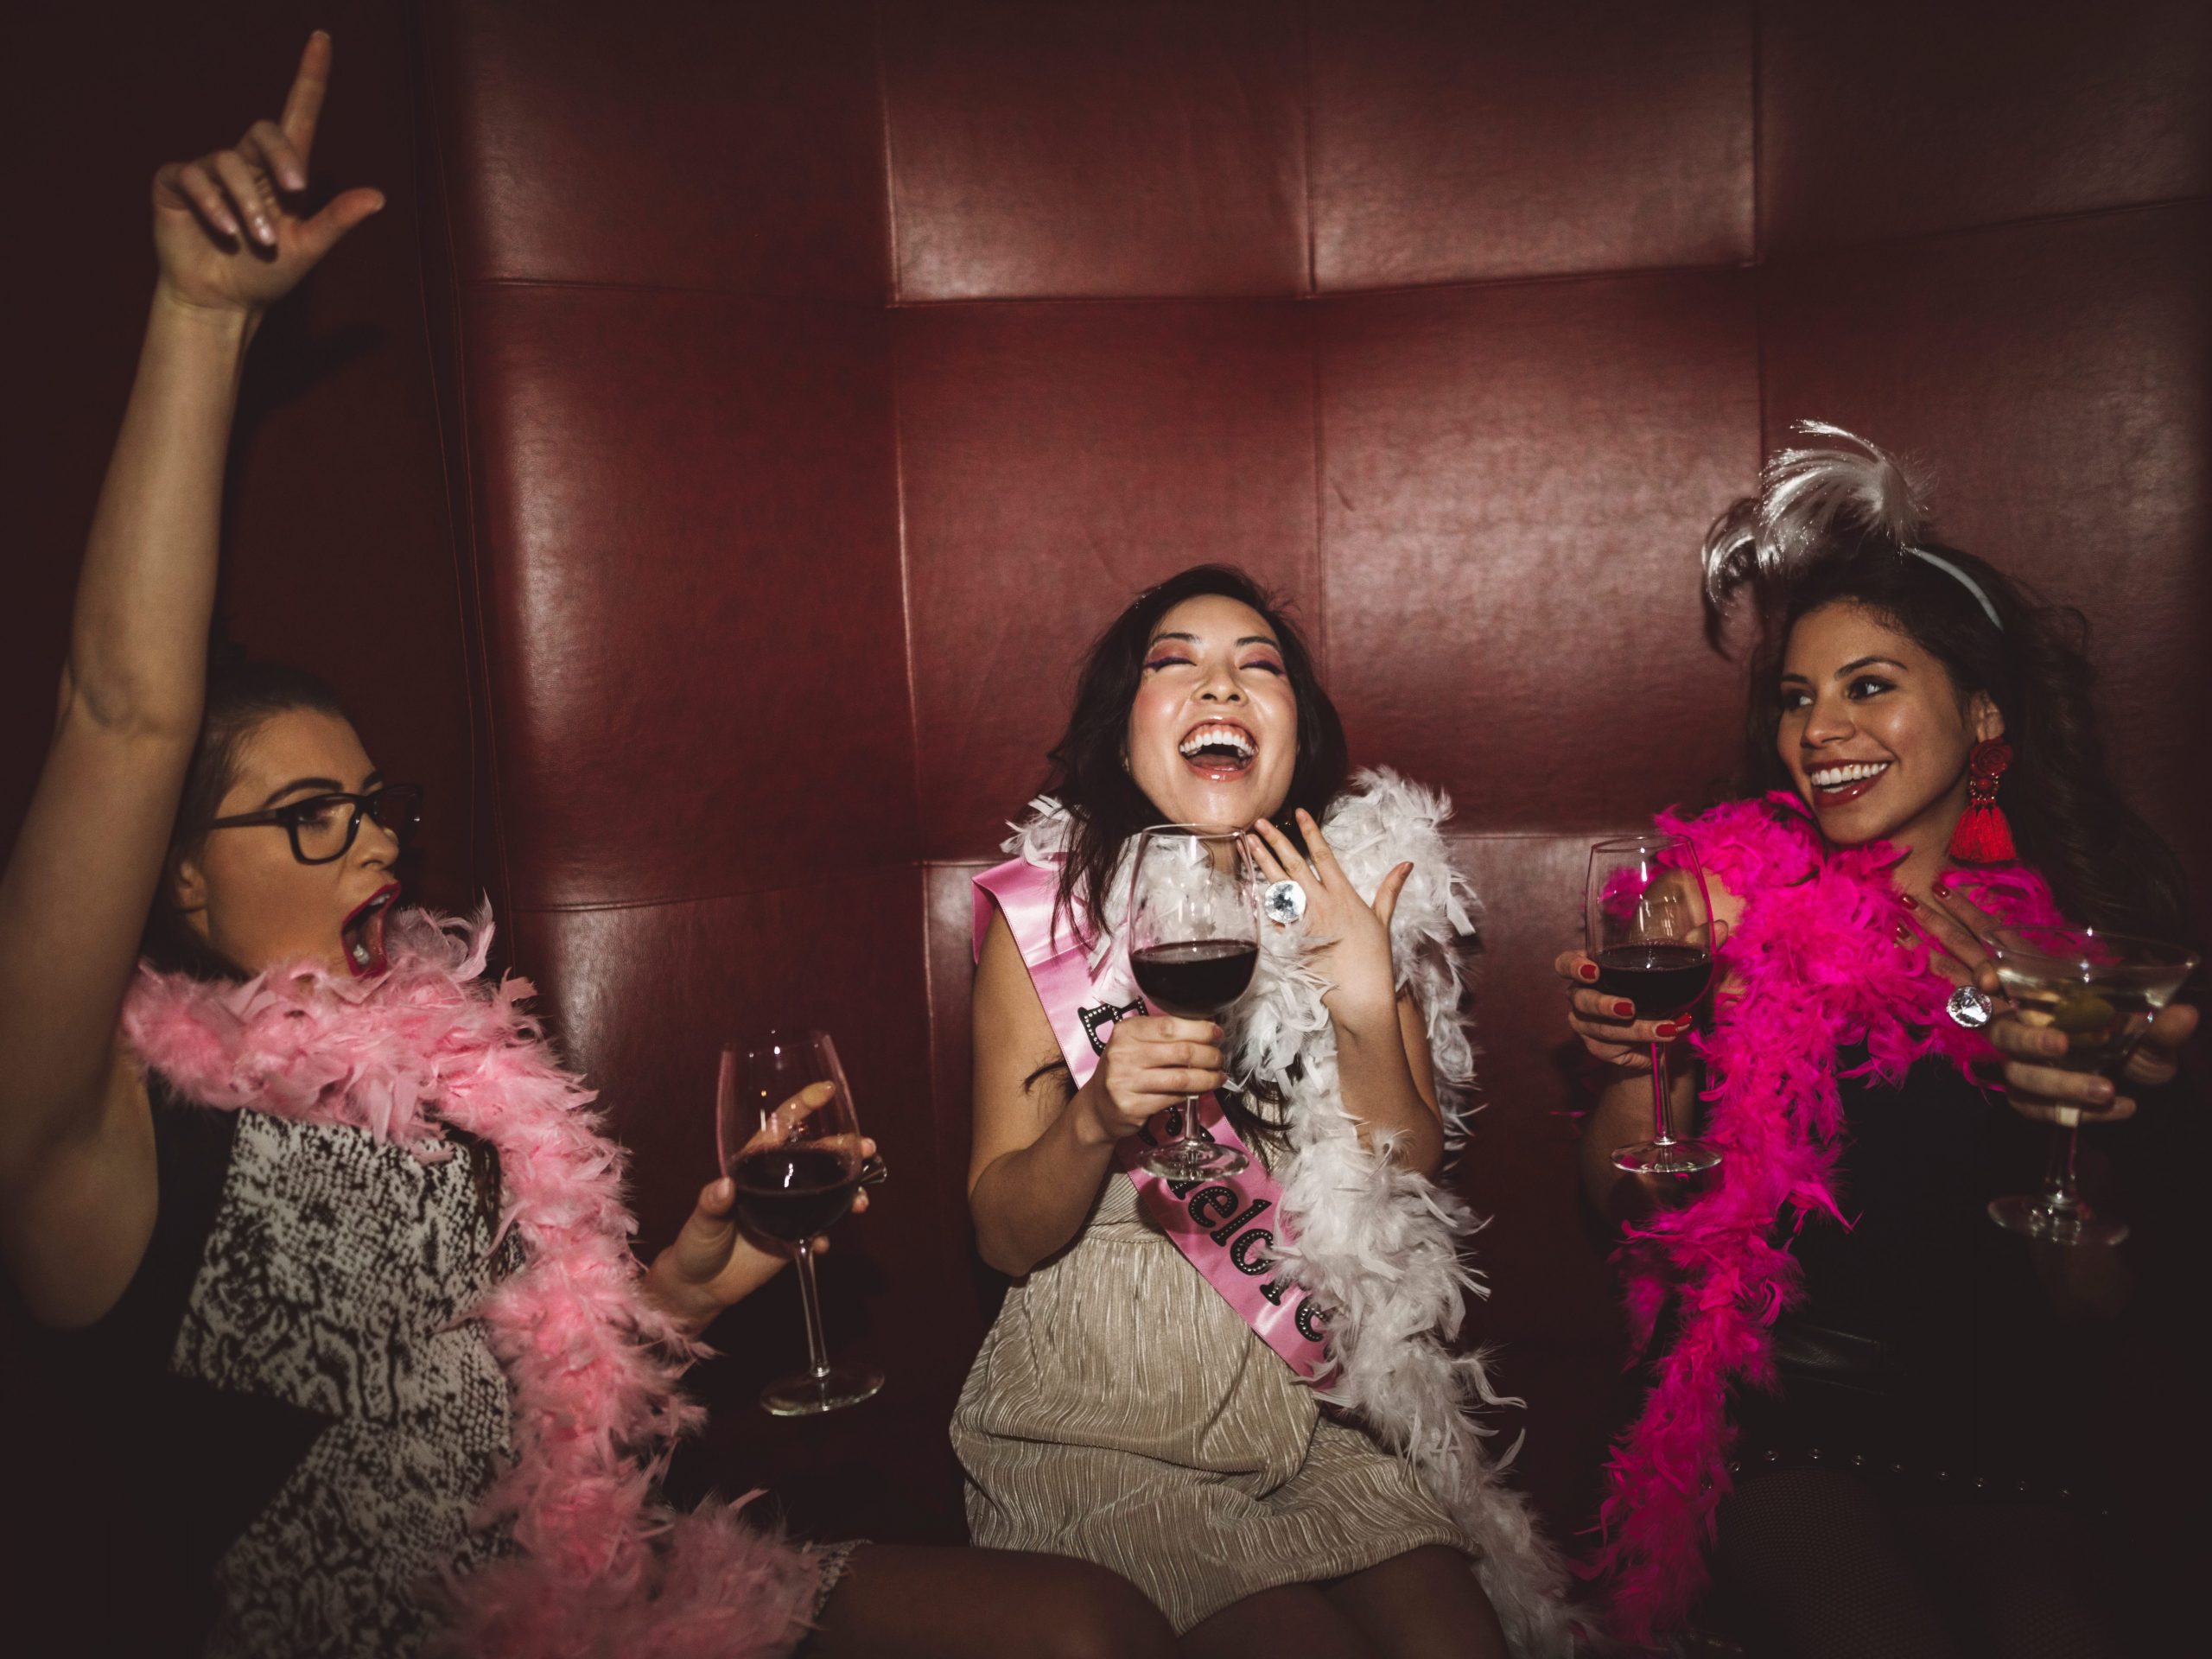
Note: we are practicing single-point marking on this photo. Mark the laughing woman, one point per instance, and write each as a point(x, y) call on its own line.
point(329, 1230)
point(1896, 1451)
point(1142, 1401)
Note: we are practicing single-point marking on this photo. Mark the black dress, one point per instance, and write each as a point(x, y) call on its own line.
point(1926, 1350)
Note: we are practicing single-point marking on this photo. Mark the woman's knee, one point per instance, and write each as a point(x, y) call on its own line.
point(1088, 1611)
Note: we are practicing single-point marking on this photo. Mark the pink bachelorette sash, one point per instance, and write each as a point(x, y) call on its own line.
point(1213, 1222)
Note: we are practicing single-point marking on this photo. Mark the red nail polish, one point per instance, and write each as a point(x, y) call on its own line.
point(1667, 1031)
point(1908, 901)
point(1942, 889)
point(1587, 970)
point(1624, 1009)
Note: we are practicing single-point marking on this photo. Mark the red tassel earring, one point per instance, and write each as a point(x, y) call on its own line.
point(1983, 836)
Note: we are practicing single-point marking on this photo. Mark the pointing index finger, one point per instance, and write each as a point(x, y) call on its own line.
point(304, 103)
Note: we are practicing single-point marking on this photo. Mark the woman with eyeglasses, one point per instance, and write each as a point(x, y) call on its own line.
point(340, 1251)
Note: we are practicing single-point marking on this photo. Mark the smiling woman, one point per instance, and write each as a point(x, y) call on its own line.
point(1147, 1398)
point(1923, 760)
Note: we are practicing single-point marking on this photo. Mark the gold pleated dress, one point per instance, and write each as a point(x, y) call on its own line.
point(1120, 1411)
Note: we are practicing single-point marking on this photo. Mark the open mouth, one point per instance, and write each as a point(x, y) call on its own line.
point(1833, 786)
point(1218, 750)
point(362, 933)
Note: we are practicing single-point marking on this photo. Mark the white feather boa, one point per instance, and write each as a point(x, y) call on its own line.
point(1378, 1244)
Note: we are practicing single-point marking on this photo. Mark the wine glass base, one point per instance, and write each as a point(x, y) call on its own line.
point(809, 1396)
point(1191, 1160)
point(2038, 1219)
point(1666, 1157)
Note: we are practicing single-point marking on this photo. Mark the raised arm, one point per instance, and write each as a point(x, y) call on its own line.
point(77, 1191)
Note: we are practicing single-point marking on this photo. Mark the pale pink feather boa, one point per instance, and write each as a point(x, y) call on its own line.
point(602, 1567)
point(1816, 958)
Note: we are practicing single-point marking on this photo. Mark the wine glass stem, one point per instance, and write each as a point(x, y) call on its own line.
point(2059, 1196)
point(818, 1352)
point(1660, 1135)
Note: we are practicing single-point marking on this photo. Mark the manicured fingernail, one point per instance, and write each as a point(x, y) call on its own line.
point(1587, 970)
point(1624, 1009)
point(1908, 901)
point(2100, 1090)
point(1667, 1031)
point(1942, 889)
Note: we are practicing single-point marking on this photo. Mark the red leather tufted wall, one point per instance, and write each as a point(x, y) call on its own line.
point(825, 375)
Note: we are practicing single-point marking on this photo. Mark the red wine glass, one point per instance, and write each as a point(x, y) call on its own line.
point(790, 1145)
point(1650, 932)
point(1194, 939)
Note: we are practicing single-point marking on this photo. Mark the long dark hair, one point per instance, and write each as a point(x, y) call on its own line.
point(2105, 865)
point(1089, 775)
point(242, 694)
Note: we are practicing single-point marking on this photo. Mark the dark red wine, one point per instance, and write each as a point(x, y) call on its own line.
point(793, 1193)
point(1661, 980)
point(1198, 979)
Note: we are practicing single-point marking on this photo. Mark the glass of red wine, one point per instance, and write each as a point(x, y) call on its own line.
point(1194, 938)
point(1650, 932)
point(790, 1144)
point(2102, 991)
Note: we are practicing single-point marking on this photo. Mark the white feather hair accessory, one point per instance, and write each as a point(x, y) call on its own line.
point(1381, 1245)
point(1804, 496)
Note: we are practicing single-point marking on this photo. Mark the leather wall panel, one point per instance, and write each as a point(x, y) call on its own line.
point(1455, 142)
point(1056, 459)
point(731, 144)
point(1042, 151)
point(1515, 481)
point(688, 519)
point(648, 993)
point(1551, 1311)
point(1893, 118)
point(2064, 412)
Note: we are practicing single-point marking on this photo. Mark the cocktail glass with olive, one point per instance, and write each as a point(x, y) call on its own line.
point(2102, 990)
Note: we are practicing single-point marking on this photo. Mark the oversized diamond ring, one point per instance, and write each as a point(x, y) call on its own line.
point(1284, 901)
point(1969, 1008)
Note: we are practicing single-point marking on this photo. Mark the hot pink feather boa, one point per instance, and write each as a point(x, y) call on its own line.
point(602, 1569)
point(1815, 957)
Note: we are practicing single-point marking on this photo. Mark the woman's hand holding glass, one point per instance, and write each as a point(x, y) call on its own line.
point(712, 1263)
point(1152, 1063)
point(1351, 935)
point(1609, 1026)
point(2036, 1084)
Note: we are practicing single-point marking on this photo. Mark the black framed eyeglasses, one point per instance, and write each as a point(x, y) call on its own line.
point(323, 826)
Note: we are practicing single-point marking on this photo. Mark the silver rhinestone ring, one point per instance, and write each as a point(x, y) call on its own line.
point(1969, 1007)
point(1284, 901)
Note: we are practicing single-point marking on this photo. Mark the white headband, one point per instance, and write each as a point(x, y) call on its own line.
point(1965, 581)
